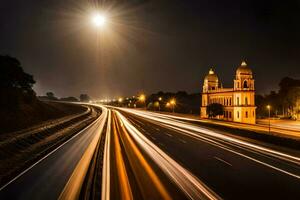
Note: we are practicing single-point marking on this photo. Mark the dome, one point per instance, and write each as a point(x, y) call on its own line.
point(243, 69)
point(211, 76)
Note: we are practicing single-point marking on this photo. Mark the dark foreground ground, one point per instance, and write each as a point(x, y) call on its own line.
point(27, 115)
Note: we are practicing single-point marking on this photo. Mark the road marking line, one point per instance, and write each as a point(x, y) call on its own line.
point(219, 159)
point(169, 135)
point(183, 141)
point(153, 138)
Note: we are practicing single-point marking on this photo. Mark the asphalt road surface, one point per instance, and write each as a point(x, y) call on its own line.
point(153, 156)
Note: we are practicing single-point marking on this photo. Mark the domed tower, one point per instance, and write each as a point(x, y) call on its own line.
point(244, 95)
point(211, 81)
point(244, 78)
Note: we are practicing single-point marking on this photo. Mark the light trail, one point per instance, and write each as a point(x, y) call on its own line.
point(125, 189)
point(184, 179)
point(105, 195)
point(192, 130)
point(145, 166)
point(73, 187)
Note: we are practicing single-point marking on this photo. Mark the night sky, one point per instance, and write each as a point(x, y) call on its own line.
point(149, 46)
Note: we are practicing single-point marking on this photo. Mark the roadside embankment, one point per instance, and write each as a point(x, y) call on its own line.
point(20, 149)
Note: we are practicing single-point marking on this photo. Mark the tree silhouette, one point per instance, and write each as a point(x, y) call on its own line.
point(214, 109)
point(15, 84)
point(84, 98)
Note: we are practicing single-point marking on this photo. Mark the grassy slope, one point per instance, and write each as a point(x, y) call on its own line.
point(27, 115)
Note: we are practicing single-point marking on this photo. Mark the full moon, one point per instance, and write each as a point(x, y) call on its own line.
point(99, 20)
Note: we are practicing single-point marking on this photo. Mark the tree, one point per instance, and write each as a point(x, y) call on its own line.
point(51, 96)
point(72, 99)
point(214, 109)
point(84, 98)
point(15, 84)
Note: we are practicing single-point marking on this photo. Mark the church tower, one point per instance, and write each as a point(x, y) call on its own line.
point(244, 95)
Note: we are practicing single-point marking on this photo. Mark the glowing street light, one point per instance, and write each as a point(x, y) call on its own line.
point(173, 103)
point(99, 20)
point(120, 100)
point(142, 97)
point(160, 99)
point(269, 109)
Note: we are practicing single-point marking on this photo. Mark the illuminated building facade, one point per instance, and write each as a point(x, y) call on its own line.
point(238, 102)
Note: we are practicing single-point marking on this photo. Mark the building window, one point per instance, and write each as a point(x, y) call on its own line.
point(245, 84)
point(238, 114)
point(238, 101)
point(230, 101)
point(246, 114)
point(229, 114)
point(246, 100)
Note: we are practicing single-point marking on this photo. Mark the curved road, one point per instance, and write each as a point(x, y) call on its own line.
point(155, 156)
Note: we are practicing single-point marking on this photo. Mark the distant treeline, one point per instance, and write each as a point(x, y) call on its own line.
point(50, 96)
point(284, 103)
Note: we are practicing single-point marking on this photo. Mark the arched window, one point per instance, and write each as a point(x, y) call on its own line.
point(245, 84)
point(238, 114)
point(246, 101)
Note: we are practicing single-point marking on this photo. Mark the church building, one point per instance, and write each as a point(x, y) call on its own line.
point(238, 102)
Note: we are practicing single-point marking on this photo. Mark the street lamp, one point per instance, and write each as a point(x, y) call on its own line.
point(142, 98)
point(159, 99)
point(269, 109)
point(173, 103)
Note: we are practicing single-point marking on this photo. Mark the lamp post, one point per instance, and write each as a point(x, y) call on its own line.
point(173, 103)
point(159, 101)
point(142, 98)
point(269, 109)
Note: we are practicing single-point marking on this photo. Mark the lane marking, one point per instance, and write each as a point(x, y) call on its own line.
point(153, 138)
point(169, 135)
point(182, 140)
point(223, 161)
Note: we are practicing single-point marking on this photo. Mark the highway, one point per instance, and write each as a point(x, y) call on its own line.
point(149, 155)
